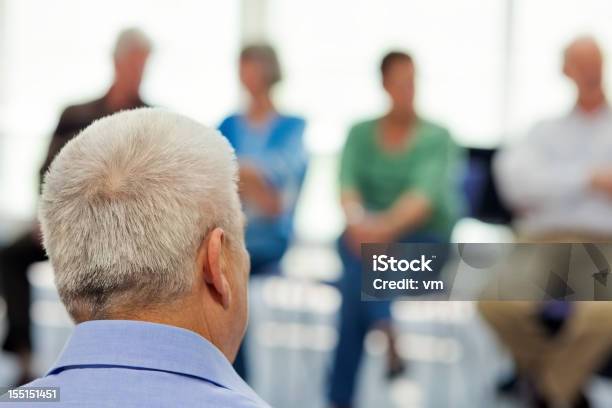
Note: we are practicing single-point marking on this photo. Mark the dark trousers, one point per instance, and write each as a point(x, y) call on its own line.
point(356, 319)
point(14, 263)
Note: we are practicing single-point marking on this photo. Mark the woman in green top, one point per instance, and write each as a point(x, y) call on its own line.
point(398, 184)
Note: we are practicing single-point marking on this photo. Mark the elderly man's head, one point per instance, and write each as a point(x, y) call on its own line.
point(583, 64)
point(141, 220)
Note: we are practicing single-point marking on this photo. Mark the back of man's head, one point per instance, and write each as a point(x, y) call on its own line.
point(126, 206)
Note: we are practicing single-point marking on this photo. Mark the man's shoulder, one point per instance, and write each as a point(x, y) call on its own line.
point(75, 118)
point(77, 112)
point(106, 387)
point(550, 127)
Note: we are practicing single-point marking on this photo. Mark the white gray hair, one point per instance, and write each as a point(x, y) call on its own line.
point(131, 39)
point(126, 204)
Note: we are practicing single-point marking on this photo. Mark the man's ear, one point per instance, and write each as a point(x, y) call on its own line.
point(213, 267)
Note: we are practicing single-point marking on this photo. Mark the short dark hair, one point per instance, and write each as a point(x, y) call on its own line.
point(391, 58)
point(264, 54)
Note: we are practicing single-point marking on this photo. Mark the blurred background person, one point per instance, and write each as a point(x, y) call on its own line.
point(130, 56)
point(559, 183)
point(272, 164)
point(397, 185)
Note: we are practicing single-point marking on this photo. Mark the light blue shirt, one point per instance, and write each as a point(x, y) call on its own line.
point(118, 363)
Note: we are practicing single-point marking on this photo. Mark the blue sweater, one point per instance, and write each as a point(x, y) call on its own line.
point(277, 150)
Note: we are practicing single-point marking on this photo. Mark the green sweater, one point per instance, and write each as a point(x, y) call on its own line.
point(428, 165)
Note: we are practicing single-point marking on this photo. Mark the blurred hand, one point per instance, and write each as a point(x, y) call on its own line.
point(372, 229)
point(254, 188)
point(601, 180)
point(247, 175)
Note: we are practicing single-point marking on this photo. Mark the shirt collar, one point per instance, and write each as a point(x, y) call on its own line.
point(151, 346)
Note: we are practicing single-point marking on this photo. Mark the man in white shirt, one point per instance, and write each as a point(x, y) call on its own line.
point(558, 181)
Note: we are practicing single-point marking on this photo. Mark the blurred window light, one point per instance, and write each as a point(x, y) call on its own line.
point(416, 347)
point(40, 276)
point(431, 312)
point(50, 313)
point(300, 295)
point(475, 231)
point(376, 342)
point(428, 348)
point(317, 262)
point(406, 393)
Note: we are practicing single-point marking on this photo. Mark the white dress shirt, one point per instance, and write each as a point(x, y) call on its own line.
point(545, 178)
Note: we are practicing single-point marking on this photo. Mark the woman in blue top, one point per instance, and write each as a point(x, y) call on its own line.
point(272, 163)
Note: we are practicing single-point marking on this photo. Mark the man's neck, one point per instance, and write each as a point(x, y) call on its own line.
point(116, 99)
point(592, 101)
point(403, 118)
point(176, 315)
